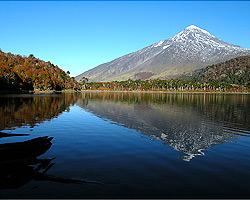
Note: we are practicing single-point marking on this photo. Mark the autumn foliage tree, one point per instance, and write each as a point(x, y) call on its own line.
point(29, 73)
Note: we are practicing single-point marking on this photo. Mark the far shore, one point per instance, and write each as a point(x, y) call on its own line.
point(155, 91)
point(114, 91)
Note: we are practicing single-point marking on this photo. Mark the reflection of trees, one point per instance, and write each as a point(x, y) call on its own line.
point(189, 123)
point(223, 108)
point(23, 110)
point(20, 165)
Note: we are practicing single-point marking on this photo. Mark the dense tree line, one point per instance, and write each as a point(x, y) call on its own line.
point(234, 71)
point(28, 73)
point(164, 85)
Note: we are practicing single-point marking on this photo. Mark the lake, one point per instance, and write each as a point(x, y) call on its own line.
point(125, 145)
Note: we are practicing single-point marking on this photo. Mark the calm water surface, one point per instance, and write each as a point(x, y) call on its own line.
point(125, 145)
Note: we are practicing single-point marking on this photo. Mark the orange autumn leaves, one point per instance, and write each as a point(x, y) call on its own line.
point(29, 73)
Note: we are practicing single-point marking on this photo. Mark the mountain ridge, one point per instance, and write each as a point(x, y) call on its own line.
point(233, 71)
point(190, 49)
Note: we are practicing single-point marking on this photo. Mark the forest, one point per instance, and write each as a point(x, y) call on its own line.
point(233, 71)
point(21, 73)
point(164, 85)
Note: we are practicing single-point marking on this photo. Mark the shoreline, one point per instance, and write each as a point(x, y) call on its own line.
point(185, 92)
point(54, 91)
point(37, 92)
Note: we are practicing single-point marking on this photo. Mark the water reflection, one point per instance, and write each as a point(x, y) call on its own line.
point(23, 110)
point(190, 123)
point(19, 162)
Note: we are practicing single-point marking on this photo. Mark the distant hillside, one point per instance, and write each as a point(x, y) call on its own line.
point(19, 73)
point(191, 49)
point(229, 76)
point(233, 71)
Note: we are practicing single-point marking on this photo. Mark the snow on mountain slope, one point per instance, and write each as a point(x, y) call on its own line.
point(191, 49)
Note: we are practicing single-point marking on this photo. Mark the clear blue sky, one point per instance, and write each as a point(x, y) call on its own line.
point(80, 35)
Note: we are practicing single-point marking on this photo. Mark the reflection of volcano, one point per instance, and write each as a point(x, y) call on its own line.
point(183, 128)
point(19, 164)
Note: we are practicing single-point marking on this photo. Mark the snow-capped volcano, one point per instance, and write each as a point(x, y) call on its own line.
point(191, 49)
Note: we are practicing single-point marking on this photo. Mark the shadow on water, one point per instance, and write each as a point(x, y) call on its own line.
point(190, 123)
point(10, 134)
point(20, 165)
